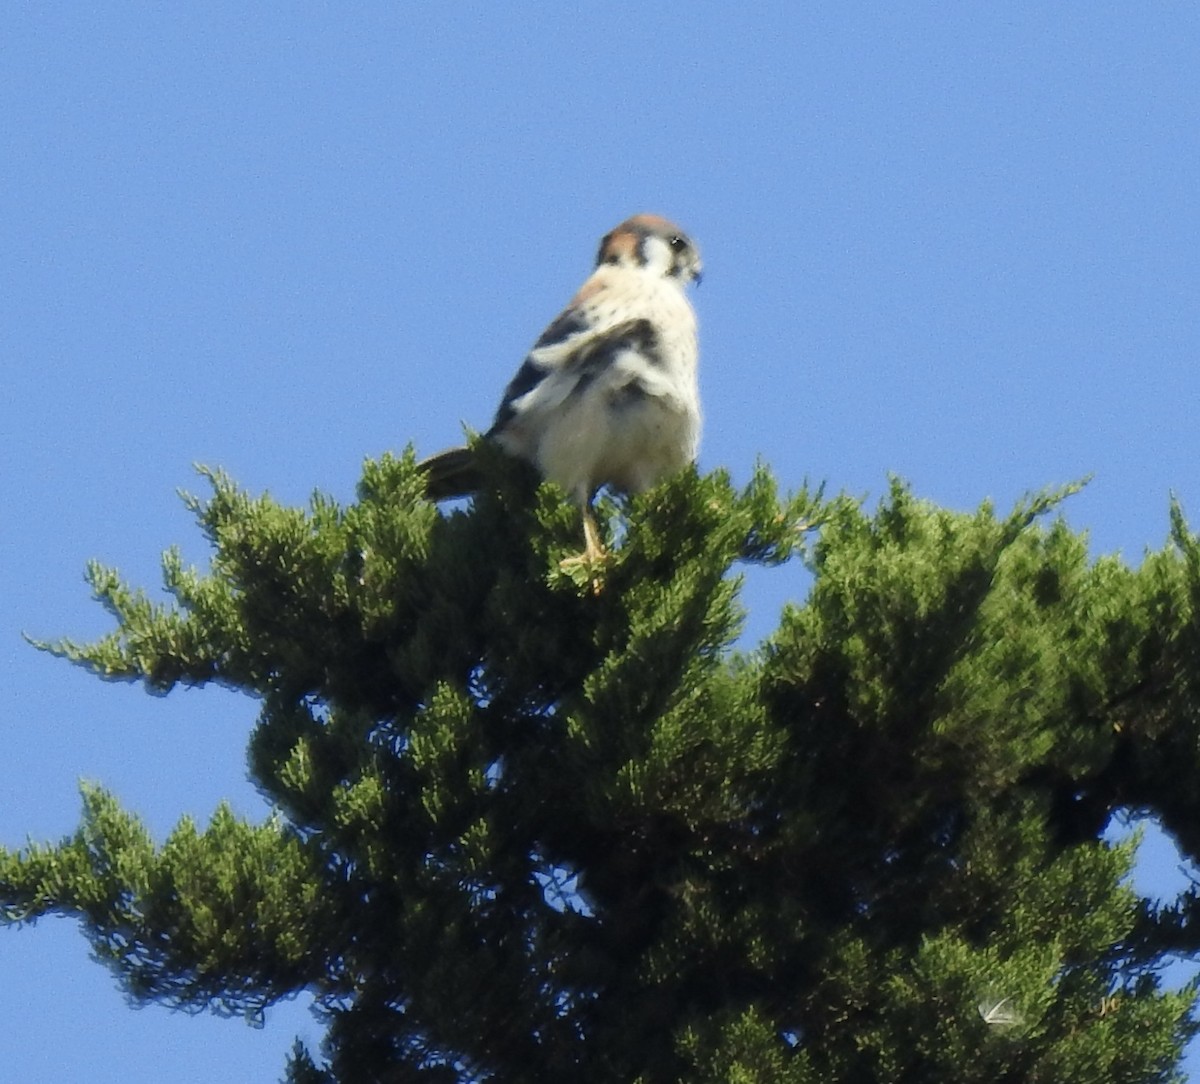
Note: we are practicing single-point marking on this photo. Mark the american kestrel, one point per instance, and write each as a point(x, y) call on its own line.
point(608, 395)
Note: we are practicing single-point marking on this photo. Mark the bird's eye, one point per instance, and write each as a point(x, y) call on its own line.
point(677, 243)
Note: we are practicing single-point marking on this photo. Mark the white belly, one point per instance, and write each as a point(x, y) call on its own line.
point(628, 433)
point(606, 415)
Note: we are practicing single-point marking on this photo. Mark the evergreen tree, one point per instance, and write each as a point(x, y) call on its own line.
point(529, 829)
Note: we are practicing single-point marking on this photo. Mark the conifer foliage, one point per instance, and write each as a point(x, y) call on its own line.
point(529, 828)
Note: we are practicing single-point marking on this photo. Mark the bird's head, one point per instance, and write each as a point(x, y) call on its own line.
point(655, 244)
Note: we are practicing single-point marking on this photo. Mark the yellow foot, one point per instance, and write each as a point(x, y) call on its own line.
point(587, 568)
point(589, 565)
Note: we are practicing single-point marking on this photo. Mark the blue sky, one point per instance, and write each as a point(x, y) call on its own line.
point(960, 243)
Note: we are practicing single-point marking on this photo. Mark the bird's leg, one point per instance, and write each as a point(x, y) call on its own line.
point(594, 554)
point(593, 549)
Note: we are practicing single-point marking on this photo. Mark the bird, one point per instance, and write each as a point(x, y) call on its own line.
point(608, 395)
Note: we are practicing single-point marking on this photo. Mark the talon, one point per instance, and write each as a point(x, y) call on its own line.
point(594, 556)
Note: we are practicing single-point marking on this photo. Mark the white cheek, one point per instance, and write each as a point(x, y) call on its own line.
point(657, 254)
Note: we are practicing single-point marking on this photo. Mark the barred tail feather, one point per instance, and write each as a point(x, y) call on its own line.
point(449, 474)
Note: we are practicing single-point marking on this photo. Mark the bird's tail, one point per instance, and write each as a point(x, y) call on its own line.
point(452, 473)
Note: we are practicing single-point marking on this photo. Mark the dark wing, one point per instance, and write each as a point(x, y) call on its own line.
point(588, 355)
point(569, 324)
point(566, 325)
point(528, 377)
